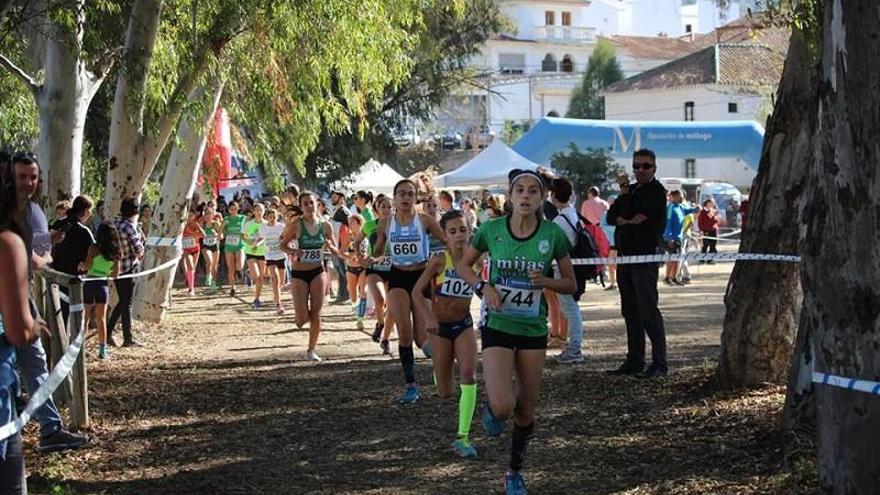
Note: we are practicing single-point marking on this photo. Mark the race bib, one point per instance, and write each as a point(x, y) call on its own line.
point(189, 243)
point(518, 299)
point(456, 287)
point(273, 246)
point(310, 256)
point(438, 252)
point(407, 252)
point(233, 239)
point(210, 240)
point(383, 265)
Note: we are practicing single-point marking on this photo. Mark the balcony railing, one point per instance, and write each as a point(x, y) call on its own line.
point(565, 34)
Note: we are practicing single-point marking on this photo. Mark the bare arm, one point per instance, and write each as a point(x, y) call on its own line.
point(419, 304)
point(20, 326)
point(291, 232)
point(330, 240)
point(565, 284)
point(381, 238)
point(465, 269)
point(83, 266)
point(434, 228)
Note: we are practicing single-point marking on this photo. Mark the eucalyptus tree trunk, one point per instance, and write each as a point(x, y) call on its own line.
point(841, 266)
point(762, 298)
point(169, 217)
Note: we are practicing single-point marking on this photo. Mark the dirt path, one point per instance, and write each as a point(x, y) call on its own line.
point(221, 401)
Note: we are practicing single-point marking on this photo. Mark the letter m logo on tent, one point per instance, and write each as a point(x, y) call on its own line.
point(626, 145)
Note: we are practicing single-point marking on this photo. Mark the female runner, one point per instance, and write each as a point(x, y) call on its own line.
point(270, 234)
point(312, 237)
point(192, 237)
point(354, 268)
point(406, 233)
point(255, 252)
point(379, 275)
point(451, 327)
point(211, 222)
point(101, 261)
point(522, 248)
point(232, 247)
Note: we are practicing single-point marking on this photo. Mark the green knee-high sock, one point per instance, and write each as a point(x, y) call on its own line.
point(466, 404)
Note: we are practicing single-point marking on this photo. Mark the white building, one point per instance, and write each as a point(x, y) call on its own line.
point(532, 71)
point(730, 80)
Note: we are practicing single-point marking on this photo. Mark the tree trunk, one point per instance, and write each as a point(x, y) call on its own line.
point(762, 298)
point(129, 152)
point(841, 269)
point(181, 175)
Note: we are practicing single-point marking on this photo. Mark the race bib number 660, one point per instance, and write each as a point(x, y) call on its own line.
point(404, 248)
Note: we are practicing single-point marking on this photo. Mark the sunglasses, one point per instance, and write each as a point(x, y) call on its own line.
point(642, 166)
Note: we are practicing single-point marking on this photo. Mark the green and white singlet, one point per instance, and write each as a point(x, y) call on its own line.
point(310, 245)
point(524, 309)
point(232, 231)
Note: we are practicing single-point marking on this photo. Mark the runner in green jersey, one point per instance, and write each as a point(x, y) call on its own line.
point(379, 275)
point(255, 252)
point(522, 248)
point(212, 223)
point(232, 227)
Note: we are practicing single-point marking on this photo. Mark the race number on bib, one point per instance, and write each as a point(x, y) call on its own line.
point(273, 245)
point(519, 301)
point(210, 240)
point(405, 248)
point(310, 256)
point(456, 287)
point(189, 243)
point(233, 239)
point(383, 265)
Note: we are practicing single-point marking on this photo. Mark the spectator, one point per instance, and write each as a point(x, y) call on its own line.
point(673, 236)
point(340, 229)
point(549, 212)
point(69, 253)
point(732, 211)
point(639, 215)
point(132, 247)
point(470, 217)
point(594, 207)
point(610, 232)
point(97, 217)
point(446, 202)
point(567, 219)
point(708, 222)
point(146, 218)
point(24, 176)
point(61, 208)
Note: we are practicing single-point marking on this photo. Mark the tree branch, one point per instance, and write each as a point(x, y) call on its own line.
point(20, 74)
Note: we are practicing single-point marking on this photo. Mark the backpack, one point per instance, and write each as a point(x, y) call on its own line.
point(584, 247)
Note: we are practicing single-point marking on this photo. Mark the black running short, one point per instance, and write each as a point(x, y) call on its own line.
point(402, 279)
point(497, 338)
point(277, 263)
point(307, 275)
point(453, 329)
point(385, 276)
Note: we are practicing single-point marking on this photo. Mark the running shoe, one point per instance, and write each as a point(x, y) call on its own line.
point(426, 348)
point(377, 332)
point(190, 293)
point(232, 292)
point(313, 356)
point(411, 395)
point(280, 311)
point(493, 426)
point(360, 323)
point(102, 352)
point(514, 484)
point(570, 357)
point(257, 304)
point(464, 449)
point(386, 348)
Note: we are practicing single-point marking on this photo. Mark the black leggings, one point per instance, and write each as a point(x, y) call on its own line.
point(125, 291)
point(12, 474)
point(709, 245)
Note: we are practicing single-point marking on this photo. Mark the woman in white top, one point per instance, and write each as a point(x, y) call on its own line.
point(270, 235)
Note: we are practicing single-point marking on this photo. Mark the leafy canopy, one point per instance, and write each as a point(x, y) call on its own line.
point(587, 100)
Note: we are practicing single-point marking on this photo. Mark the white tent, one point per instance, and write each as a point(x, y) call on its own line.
point(372, 176)
point(490, 167)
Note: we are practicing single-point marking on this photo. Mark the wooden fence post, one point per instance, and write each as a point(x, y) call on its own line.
point(59, 342)
point(79, 410)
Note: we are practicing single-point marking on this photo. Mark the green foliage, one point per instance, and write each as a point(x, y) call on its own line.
point(587, 100)
point(803, 16)
point(587, 168)
point(512, 131)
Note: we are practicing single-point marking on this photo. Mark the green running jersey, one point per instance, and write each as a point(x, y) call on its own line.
point(524, 309)
point(251, 230)
point(232, 231)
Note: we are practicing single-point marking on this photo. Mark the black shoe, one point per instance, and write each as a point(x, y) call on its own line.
point(653, 372)
point(112, 342)
point(377, 332)
point(627, 368)
point(62, 440)
point(667, 281)
point(386, 348)
point(132, 343)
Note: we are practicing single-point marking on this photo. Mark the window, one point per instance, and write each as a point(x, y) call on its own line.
point(566, 18)
point(688, 110)
point(549, 18)
point(549, 63)
point(688, 28)
point(567, 64)
point(732, 108)
point(690, 168)
point(512, 63)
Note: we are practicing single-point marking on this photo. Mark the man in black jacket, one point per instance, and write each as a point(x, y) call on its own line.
point(639, 214)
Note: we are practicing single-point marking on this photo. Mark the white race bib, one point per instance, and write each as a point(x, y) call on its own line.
point(456, 287)
point(189, 243)
point(407, 252)
point(210, 240)
point(383, 265)
point(233, 239)
point(519, 301)
point(313, 256)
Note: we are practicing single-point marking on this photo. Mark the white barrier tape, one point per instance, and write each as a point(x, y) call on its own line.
point(162, 241)
point(731, 234)
point(168, 264)
point(63, 297)
point(719, 239)
point(48, 388)
point(866, 386)
point(76, 308)
point(659, 258)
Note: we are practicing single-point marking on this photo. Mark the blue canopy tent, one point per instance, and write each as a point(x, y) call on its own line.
point(721, 139)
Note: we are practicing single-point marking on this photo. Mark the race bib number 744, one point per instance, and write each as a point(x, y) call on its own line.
point(519, 301)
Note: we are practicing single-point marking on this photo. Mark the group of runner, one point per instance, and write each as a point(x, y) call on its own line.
point(421, 273)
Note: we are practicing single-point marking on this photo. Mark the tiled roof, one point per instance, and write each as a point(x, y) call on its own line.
point(651, 47)
point(734, 64)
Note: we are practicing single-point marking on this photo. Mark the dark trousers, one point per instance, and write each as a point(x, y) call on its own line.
point(125, 290)
point(342, 293)
point(710, 245)
point(12, 473)
point(638, 299)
